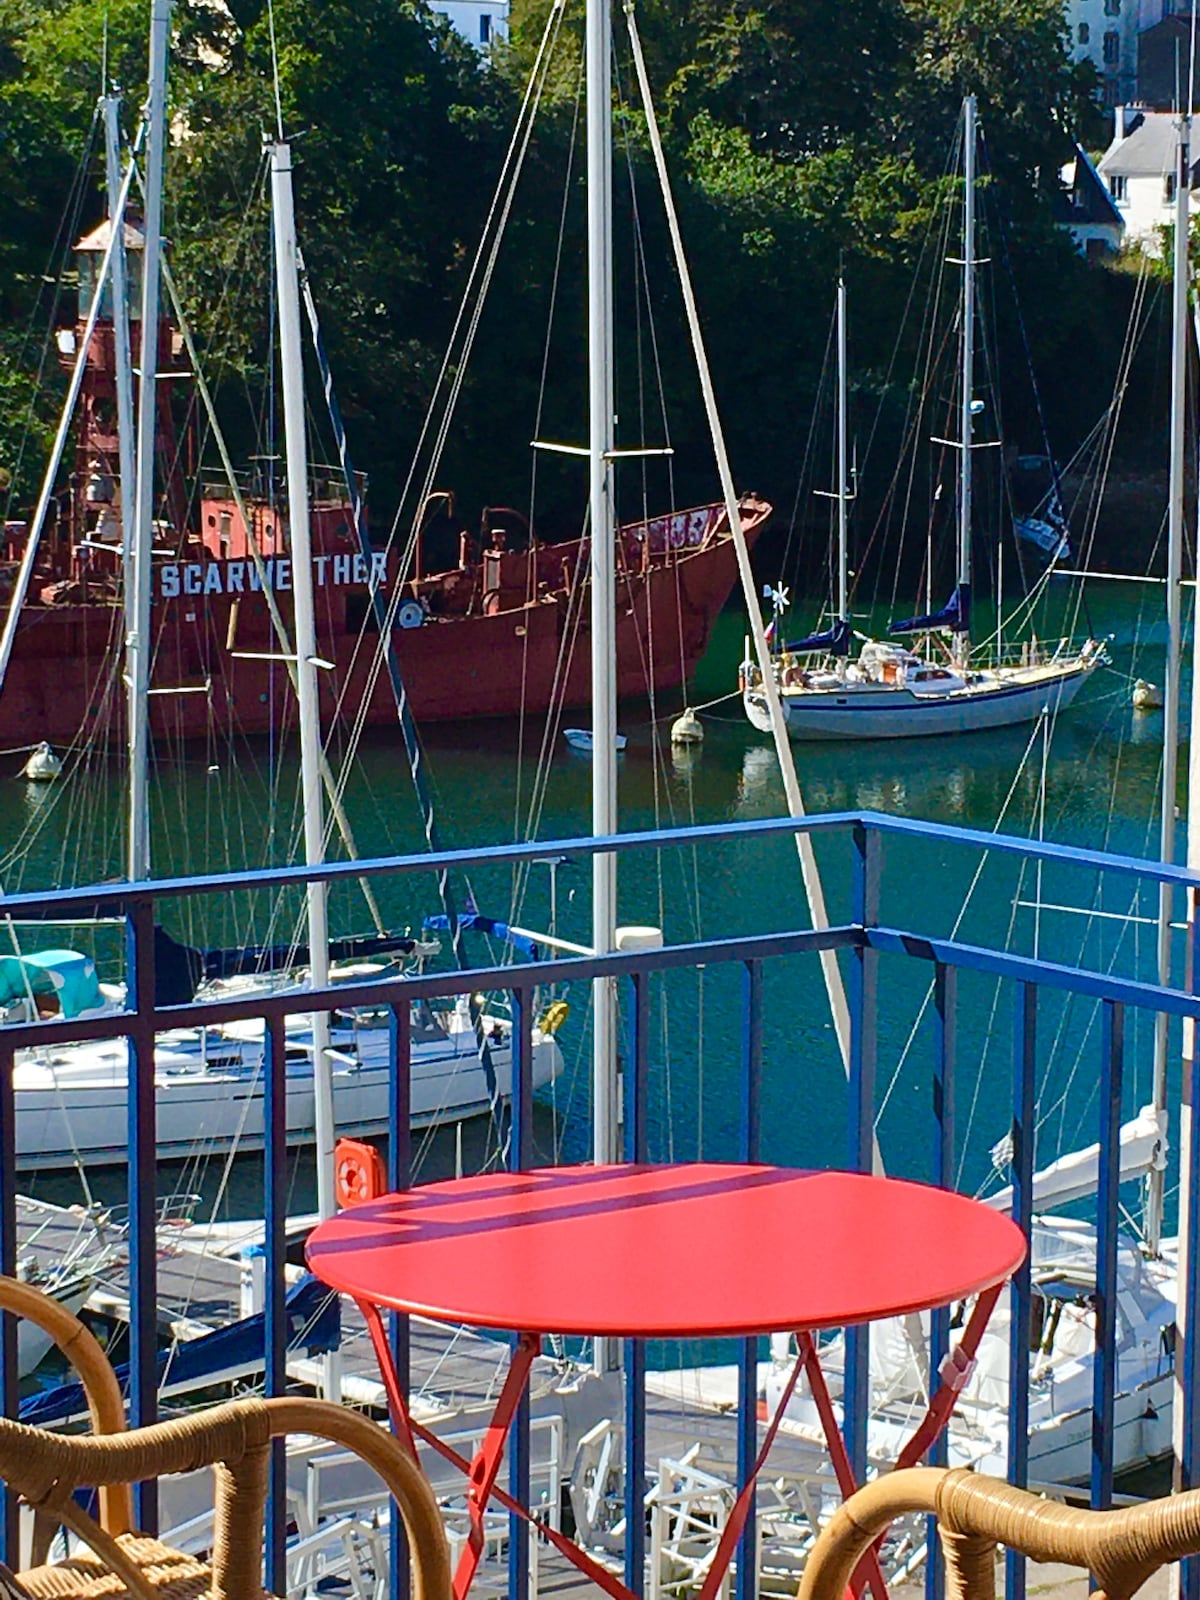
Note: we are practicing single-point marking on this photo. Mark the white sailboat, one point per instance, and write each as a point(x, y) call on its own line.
point(892, 691)
point(71, 1100)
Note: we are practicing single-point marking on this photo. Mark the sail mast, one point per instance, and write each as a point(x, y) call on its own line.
point(1171, 685)
point(121, 349)
point(602, 519)
point(291, 366)
point(843, 485)
point(140, 538)
point(968, 384)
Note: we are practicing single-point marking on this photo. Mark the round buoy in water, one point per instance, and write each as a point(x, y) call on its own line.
point(42, 766)
point(1146, 696)
point(687, 729)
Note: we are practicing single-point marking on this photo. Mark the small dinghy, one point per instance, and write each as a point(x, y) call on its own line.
point(581, 739)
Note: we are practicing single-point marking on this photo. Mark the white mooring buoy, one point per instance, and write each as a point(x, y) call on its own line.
point(43, 765)
point(687, 729)
point(1146, 696)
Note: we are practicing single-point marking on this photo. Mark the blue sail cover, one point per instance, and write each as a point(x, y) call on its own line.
point(477, 923)
point(955, 616)
point(834, 641)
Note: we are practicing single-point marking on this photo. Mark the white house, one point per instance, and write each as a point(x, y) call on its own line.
point(1139, 170)
point(480, 22)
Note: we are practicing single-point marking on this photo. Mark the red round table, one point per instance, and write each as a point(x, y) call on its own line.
point(698, 1250)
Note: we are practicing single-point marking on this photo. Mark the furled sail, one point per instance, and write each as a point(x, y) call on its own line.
point(834, 641)
point(954, 616)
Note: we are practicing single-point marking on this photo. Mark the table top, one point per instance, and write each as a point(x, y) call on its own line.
point(696, 1250)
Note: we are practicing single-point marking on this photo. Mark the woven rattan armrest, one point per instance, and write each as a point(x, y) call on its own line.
point(235, 1439)
point(1121, 1549)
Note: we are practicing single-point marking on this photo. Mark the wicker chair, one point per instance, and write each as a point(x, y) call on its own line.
point(1121, 1549)
point(235, 1439)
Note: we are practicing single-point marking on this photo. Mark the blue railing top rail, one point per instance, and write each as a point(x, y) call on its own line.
point(291, 1000)
point(114, 895)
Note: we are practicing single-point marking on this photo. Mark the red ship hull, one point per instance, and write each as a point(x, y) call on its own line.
point(218, 667)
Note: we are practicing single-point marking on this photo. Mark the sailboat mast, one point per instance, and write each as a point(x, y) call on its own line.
point(843, 484)
point(968, 383)
point(602, 519)
point(291, 367)
point(140, 539)
point(1171, 685)
point(120, 302)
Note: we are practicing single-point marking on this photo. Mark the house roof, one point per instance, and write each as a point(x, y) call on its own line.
point(1150, 151)
point(1086, 200)
point(98, 238)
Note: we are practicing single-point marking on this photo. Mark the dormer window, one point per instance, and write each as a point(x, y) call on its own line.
point(1116, 186)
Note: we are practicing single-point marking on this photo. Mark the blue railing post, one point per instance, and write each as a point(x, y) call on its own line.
point(8, 1265)
point(749, 1141)
point(1024, 1063)
point(520, 1154)
point(274, 1307)
point(862, 998)
point(1187, 1354)
point(399, 1172)
point(143, 1190)
point(636, 1149)
point(1104, 1370)
point(945, 1043)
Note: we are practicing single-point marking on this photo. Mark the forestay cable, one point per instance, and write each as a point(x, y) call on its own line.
point(795, 803)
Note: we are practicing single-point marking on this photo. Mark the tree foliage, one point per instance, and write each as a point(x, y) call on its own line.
point(802, 136)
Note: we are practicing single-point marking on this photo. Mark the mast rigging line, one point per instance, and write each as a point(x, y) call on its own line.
point(482, 265)
point(808, 862)
point(34, 533)
point(68, 229)
point(337, 809)
point(502, 204)
point(408, 726)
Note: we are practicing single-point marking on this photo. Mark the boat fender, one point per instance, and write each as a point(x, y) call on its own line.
point(358, 1173)
point(552, 1019)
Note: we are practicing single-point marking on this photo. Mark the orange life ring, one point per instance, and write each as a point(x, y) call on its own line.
point(358, 1173)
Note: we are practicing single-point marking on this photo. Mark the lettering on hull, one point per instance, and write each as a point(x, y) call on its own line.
point(173, 579)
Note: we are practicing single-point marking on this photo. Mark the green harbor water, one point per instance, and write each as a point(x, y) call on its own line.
point(1091, 781)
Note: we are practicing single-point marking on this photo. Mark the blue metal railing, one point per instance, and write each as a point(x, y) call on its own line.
point(863, 936)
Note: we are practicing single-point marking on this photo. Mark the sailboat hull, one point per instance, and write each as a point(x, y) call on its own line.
point(882, 711)
point(464, 652)
point(209, 1092)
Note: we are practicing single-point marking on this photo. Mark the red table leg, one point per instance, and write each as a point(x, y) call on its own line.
point(869, 1570)
point(955, 1372)
point(397, 1403)
point(486, 1464)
